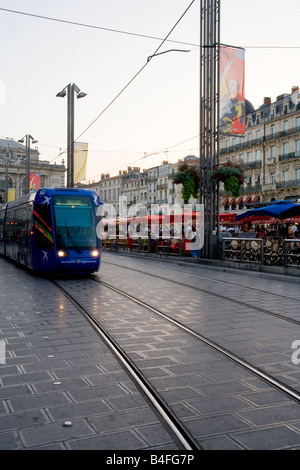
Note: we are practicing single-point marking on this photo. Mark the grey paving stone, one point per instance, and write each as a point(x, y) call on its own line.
point(223, 404)
point(220, 443)
point(23, 420)
point(38, 401)
point(278, 437)
point(270, 415)
point(55, 432)
point(78, 410)
point(9, 441)
point(218, 424)
point(110, 441)
point(124, 420)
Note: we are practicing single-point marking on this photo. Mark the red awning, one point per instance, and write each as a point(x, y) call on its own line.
point(248, 199)
point(239, 200)
point(225, 202)
point(232, 201)
point(256, 199)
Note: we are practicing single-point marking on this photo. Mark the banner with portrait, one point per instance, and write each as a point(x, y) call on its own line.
point(232, 106)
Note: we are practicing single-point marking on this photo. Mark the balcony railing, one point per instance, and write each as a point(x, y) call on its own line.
point(288, 184)
point(289, 156)
point(256, 164)
point(259, 141)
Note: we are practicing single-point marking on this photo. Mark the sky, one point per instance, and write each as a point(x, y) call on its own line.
point(136, 112)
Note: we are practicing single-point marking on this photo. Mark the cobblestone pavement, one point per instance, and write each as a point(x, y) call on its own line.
point(57, 370)
point(47, 400)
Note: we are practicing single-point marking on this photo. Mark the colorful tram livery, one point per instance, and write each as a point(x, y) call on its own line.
point(52, 230)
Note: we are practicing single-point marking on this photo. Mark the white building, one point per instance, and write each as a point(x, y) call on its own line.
point(13, 164)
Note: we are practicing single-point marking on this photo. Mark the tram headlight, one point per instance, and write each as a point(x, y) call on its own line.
point(62, 254)
point(95, 253)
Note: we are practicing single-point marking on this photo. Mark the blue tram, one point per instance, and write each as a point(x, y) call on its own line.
point(52, 230)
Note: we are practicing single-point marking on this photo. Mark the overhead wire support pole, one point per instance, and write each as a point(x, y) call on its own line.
point(208, 145)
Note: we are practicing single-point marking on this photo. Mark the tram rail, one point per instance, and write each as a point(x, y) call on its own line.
point(188, 441)
point(223, 297)
point(176, 428)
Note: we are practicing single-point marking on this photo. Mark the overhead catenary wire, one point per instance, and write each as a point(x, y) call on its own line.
point(85, 25)
point(131, 80)
point(79, 24)
point(130, 33)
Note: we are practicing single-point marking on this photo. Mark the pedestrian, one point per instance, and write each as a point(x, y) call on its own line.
point(194, 252)
point(294, 229)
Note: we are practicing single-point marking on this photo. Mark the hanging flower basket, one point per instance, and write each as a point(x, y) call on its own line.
point(190, 180)
point(231, 175)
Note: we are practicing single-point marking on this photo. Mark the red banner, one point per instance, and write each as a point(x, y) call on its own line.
point(34, 181)
point(232, 92)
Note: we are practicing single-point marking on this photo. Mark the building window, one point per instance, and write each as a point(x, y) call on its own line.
point(257, 153)
point(272, 178)
point(249, 157)
point(298, 123)
point(285, 176)
point(298, 174)
point(285, 148)
point(298, 148)
point(273, 130)
point(272, 151)
point(286, 126)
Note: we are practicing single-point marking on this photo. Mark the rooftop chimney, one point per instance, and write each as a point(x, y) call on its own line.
point(267, 100)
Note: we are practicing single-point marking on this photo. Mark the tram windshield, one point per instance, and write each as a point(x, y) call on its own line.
point(75, 222)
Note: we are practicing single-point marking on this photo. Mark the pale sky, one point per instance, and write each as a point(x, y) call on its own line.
point(159, 111)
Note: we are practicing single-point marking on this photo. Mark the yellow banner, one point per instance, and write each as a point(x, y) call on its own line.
point(11, 194)
point(80, 160)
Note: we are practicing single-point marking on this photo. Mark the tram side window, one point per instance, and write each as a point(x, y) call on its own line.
point(10, 227)
point(43, 227)
point(22, 227)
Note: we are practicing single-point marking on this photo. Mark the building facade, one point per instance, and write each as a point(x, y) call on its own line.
point(269, 153)
point(146, 188)
point(13, 166)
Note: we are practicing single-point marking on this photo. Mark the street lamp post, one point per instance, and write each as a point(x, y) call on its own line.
point(70, 90)
point(7, 157)
point(28, 137)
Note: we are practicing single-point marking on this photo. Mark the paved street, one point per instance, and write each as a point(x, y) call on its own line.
point(60, 388)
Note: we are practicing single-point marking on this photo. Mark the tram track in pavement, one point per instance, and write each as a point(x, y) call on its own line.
point(207, 278)
point(221, 296)
point(182, 437)
point(142, 381)
point(229, 355)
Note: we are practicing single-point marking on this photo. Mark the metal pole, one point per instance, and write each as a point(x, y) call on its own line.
point(6, 159)
point(28, 162)
point(70, 138)
point(209, 40)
